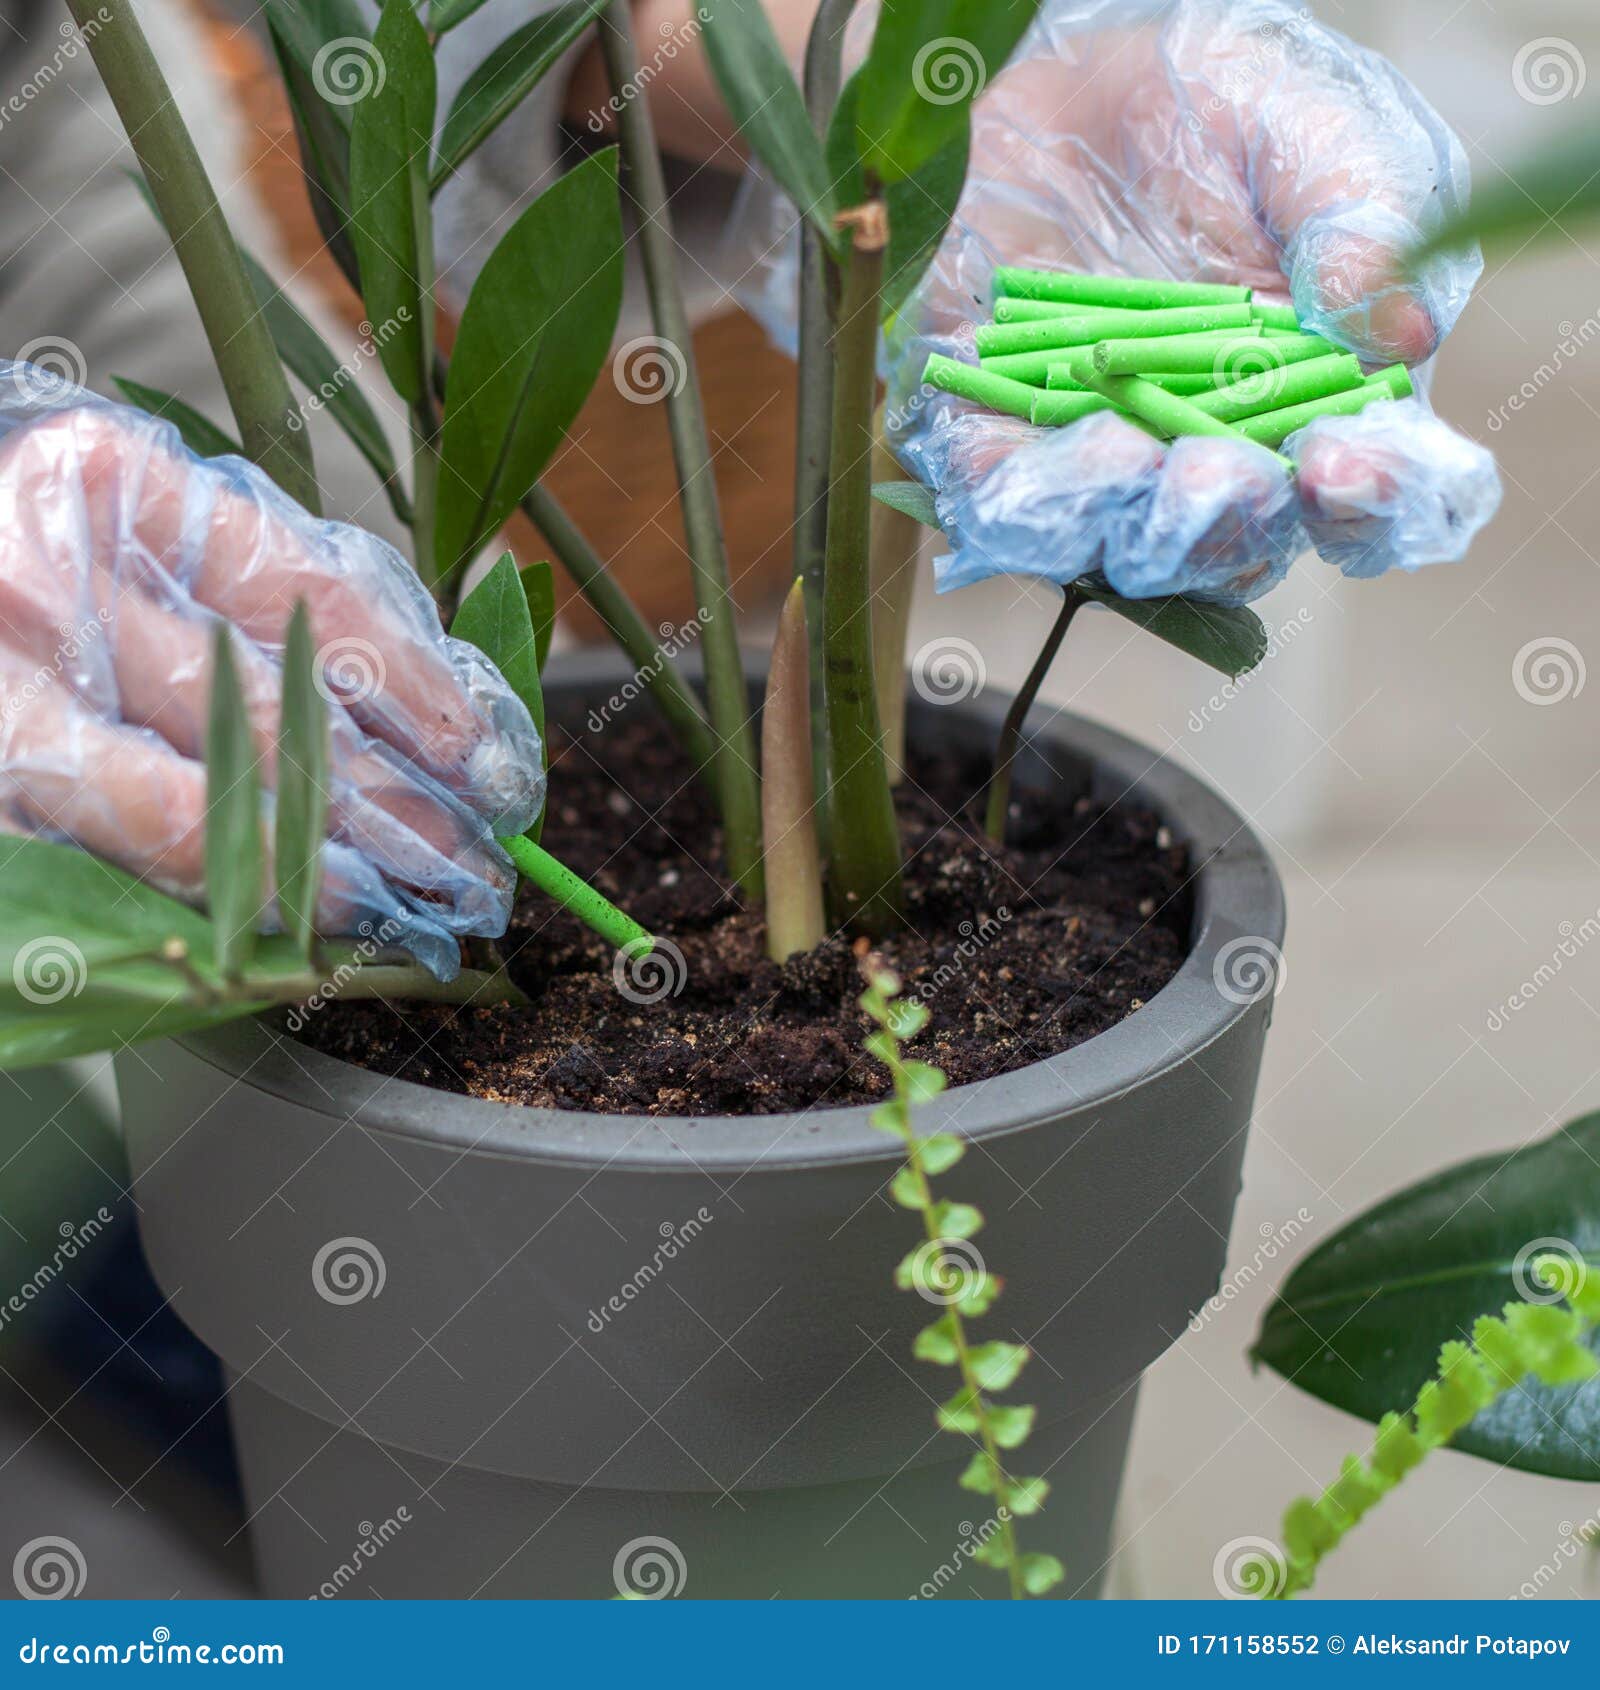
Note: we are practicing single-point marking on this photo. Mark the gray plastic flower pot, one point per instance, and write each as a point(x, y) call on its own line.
point(480, 1350)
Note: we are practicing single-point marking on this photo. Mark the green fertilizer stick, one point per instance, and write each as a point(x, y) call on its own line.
point(1274, 427)
point(572, 893)
point(999, 393)
point(1196, 354)
point(1135, 293)
point(1035, 367)
point(1276, 317)
point(1278, 389)
point(1079, 330)
point(1043, 310)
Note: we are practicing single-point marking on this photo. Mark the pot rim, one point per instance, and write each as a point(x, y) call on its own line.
point(1237, 897)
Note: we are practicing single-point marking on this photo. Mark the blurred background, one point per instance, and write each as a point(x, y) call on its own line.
point(1419, 754)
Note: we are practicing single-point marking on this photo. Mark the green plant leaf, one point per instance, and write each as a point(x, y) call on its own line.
point(1012, 1423)
point(494, 617)
point(979, 1475)
point(1229, 639)
point(391, 135)
point(444, 15)
point(940, 1153)
point(323, 49)
point(997, 1364)
point(955, 1220)
point(1547, 194)
point(535, 334)
point(1360, 1320)
point(200, 434)
point(500, 84)
point(929, 60)
point(920, 208)
point(539, 584)
point(957, 1413)
point(302, 798)
point(233, 852)
point(1026, 1496)
point(937, 1343)
point(911, 497)
point(906, 1189)
point(308, 357)
point(760, 91)
point(1040, 1573)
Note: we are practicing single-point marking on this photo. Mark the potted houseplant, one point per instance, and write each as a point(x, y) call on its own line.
point(553, 1350)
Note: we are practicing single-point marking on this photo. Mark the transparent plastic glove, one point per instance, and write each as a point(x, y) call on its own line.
point(120, 553)
point(1234, 141)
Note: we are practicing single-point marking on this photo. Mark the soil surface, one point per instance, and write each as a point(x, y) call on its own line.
point(1018, 953)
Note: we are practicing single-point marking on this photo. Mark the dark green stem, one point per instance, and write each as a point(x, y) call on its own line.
point(425, 486)
point(625, 625)
point(863, 837)
point(735, 762)
point(270, 427)
point(814, 419)
point(1005, 754)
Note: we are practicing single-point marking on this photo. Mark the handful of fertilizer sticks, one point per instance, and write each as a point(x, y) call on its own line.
point(1173, 358)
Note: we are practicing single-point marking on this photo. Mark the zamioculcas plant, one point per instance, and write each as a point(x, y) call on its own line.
point(874, 170)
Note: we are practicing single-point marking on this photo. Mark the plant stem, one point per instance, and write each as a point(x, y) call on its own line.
point(735, 755)
point(626, 626)
point(814, 418)
point(896, 546)
point(573, 893)
point(1005, 754)
point(425, 487)
point(863, 837)
point(269, 425)
point(969, 1379)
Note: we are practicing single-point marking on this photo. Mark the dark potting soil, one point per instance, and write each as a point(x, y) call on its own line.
point(1019, 953)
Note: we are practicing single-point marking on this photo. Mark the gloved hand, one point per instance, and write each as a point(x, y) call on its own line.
point(119, 554)
point(1211, 140)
